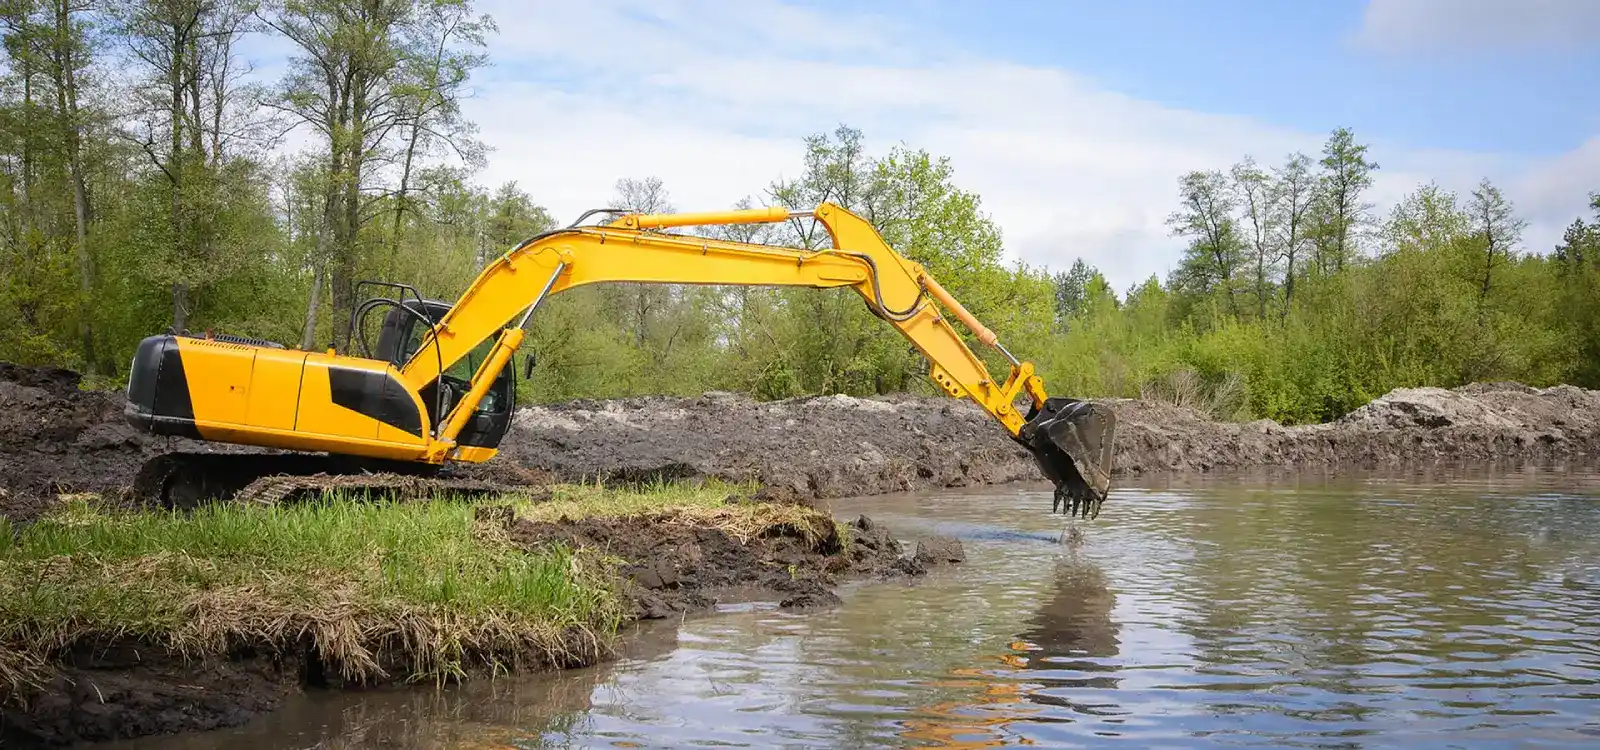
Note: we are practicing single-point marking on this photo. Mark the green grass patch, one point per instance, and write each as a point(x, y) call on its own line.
point(703, 505)
point(596, 499)
point(418, 587)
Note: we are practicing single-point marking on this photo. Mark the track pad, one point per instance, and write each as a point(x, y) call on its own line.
point(1073, 441)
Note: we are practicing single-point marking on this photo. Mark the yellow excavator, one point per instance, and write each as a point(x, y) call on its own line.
point(440, 385)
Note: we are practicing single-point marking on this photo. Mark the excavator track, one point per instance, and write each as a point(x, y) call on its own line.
point(185, 481)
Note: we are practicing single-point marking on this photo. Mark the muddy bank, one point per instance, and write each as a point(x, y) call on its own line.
point(675, 562)
point(1483, 423)
point(58, 439)
point(838, 446)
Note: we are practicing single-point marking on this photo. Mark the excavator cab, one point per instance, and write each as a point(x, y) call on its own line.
point(401, 337)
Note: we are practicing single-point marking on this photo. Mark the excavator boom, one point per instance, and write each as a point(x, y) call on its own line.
point(438, 389)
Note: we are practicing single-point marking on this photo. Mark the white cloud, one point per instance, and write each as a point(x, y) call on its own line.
point(714, 99)
point(1432, 26)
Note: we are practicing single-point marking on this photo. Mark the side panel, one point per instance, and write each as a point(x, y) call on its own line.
point(320, 412)
point(275, 389)
point(219, 379)
point(275, 398)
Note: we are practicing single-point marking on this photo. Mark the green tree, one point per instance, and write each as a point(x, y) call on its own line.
point(1296, 189)
point(1072, 291)
point(1340, 210)
point(1259, 197)
point(190, 117)
point(1215, 252)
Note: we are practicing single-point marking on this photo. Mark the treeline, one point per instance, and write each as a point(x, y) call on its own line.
point(144, 186)
point(1296, 301)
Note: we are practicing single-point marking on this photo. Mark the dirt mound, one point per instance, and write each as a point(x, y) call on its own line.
point(59, 439)
point(813, 448)
point(1480, 423)
point(55, 438)
point(673, 565)
point(818, 447)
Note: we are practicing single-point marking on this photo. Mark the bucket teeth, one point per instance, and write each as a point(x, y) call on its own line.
point(1073, 442)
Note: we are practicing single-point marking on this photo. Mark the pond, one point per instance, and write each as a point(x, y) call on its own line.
point(1431, 610)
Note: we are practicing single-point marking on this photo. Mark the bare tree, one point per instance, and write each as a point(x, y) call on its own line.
point(444, 54)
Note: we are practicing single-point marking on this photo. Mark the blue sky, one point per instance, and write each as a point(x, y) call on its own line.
point(1300, 64)
point(1073, 120)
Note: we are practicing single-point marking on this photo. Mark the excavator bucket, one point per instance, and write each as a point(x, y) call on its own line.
point(1073, 442)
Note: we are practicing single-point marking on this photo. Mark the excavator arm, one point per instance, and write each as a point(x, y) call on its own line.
point(896, 289)
point(389, 408)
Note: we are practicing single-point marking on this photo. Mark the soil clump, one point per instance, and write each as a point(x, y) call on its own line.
point(671, 565)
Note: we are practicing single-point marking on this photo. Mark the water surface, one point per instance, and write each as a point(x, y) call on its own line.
point(1433, 610)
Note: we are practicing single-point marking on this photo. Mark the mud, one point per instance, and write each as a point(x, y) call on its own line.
point(58, 439)
point(835, 446)
point(671, 567)
point(126, 689)
point(807, 448)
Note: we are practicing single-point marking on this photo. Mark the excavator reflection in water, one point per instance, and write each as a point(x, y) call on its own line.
point(1073, 633)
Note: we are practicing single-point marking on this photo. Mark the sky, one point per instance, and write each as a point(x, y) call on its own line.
point(1072, 120)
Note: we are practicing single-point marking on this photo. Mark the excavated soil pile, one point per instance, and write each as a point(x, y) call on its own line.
point(1482, 423)
point(805, 448)
point(55, 438)
point(814, 448)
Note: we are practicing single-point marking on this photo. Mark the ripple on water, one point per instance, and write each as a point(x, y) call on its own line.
point(1312, 613)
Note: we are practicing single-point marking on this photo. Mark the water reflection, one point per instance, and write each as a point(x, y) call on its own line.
point(1068, 645)
point(1327, 612)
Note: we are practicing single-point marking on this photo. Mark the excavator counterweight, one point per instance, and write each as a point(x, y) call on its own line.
point(439, 387)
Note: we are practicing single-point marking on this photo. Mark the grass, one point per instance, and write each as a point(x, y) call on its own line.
point(703, 505)
point(373, 587)
point(380, 591)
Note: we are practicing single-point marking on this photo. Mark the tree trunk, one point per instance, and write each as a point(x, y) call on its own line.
point(1261, 283)
point(1288, 283)
point(197, 144)
point(180, 306)
point(67, 100)
point(309, 333)
point(1488, 270)
point(180, 290)
point(402, 195)
point(343, 276)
